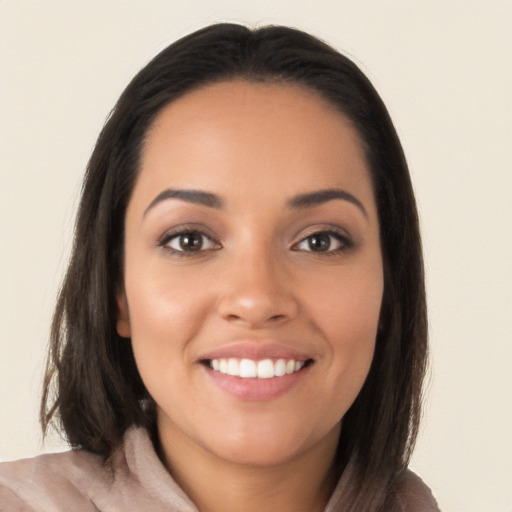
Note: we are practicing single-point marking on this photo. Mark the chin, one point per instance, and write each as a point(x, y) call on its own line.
point(271, 445)
point(262, 454)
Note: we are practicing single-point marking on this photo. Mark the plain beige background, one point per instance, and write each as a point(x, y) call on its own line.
point(444, 70)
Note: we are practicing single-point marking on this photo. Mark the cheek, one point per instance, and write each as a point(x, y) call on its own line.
point(163, 321)
point(347, 314)
point(349, 301)
point(166, 311)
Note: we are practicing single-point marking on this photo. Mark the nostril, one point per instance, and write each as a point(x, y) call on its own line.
point(256, 309)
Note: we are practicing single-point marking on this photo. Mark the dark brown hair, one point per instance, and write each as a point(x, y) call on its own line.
point(92, 386)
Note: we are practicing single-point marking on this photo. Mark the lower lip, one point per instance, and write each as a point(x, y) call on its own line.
point(257, 390)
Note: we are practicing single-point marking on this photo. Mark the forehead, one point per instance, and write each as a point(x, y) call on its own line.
point(253, 135)
point(240, 103)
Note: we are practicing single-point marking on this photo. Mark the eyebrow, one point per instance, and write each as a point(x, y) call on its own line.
point(190, 196)
point(319, 197)
point(307, 200)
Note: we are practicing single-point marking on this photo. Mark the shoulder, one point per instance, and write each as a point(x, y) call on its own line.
point(48, 481)
point(410, 494)
point(80, 481)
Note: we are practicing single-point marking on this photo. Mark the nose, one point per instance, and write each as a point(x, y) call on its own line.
point(256, 292)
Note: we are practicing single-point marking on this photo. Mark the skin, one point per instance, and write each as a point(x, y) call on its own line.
point(257, 276)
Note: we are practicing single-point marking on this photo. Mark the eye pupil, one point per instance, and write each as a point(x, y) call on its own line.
point(191, 242)
point(319, 242)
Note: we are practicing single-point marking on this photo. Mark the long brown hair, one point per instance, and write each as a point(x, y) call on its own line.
point(92, 386)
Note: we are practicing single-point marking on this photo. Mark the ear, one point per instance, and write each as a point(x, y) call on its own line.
point(123, 317)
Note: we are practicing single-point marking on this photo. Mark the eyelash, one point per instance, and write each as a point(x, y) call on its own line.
point(165, 241)
point(339, 236)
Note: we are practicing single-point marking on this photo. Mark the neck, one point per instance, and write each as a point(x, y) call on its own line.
point(302, 484)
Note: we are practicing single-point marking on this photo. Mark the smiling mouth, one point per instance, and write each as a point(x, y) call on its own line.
point(252, 369)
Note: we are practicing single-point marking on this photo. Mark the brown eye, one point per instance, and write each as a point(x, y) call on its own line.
point(319, 242)
point(324, 242)
point(192, 241)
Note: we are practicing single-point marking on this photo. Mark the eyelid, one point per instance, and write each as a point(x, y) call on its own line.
point(186, 227)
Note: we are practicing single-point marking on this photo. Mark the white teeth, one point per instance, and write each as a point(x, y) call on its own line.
point(280, 368)
point(249, 369)
point(265, 369)
point(233, 367)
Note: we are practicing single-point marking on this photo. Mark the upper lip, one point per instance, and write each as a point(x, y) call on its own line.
point(256, 350)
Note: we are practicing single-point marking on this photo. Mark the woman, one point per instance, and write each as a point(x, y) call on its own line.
point(243, 323)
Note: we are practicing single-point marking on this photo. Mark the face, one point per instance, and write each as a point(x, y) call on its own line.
point(253, 273)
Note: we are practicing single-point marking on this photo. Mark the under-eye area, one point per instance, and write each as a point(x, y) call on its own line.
point(256, 369)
